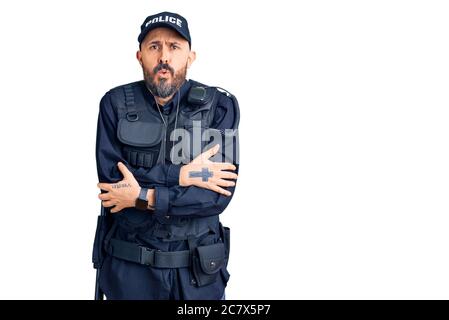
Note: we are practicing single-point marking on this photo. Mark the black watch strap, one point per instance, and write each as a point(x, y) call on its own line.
point(142, 202)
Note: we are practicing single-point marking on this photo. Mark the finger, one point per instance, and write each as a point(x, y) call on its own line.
point(105, 196)
point(212, 151)
point(104, 186)
point(125, 171)
point(108, 203)
point(227, 175)
point(224, 183)
point(224, 166)
point(219, 190)
point(116, 209)
point(206, 154)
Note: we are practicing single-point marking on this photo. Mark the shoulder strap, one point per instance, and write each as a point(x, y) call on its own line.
point(131, 111)
point(235, 105)
point(126, 108)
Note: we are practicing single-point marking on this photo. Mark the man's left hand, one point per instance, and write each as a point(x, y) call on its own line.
point(122, 194)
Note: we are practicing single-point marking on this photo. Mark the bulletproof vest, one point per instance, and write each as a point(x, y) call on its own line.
point(145, 137)
point(146, 142)
point(149, 140)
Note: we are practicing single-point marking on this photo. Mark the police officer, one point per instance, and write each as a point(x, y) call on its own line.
point(163, 188)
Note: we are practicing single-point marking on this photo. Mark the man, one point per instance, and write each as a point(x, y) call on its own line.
point(160, 236)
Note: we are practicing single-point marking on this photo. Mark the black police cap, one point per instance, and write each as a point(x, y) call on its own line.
point(166, 20)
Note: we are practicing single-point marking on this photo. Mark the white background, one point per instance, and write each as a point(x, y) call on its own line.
point(343, 188)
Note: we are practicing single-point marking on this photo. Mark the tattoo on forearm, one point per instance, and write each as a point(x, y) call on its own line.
point(121, 185)
point(204, 174)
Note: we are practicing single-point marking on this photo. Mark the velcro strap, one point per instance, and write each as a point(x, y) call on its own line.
point(131, 114)
point(150, 257)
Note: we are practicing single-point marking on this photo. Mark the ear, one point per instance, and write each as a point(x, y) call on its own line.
point(191, 58)
point(139, 57)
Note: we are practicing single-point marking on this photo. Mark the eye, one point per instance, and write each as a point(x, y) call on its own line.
point(174, 46)
point(153, 47)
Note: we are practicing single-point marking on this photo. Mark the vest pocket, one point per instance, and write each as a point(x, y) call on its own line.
point(138, 158)
point(139, 133)
point(142, 141)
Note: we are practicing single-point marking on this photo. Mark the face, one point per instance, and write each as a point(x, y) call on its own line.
point(165, 57)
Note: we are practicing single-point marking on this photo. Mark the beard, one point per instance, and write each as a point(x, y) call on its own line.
point(164, 88)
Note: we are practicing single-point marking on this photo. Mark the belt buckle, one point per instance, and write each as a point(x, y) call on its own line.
point(147, 256)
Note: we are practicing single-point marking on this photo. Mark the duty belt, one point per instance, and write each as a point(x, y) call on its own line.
point(204, 262)
point(150, 257)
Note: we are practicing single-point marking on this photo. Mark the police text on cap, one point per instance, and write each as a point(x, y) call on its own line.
point(166, 19)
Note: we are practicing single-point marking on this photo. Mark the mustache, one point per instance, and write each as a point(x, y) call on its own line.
point(161, 66)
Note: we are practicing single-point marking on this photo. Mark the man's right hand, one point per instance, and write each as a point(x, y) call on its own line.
point(203, 173)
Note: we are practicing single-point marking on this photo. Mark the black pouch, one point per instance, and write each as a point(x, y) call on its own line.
point(141, 141)
point(207, 262)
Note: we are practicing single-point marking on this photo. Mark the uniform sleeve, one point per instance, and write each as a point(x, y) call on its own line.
point(195, 201)
point(108, 153)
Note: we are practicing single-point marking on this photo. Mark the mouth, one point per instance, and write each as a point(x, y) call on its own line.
point(163, 72)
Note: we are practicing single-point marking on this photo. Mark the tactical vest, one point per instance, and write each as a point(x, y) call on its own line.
point(146, 142)
point(146, 137)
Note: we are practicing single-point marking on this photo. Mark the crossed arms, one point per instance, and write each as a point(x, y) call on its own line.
point(200, 188)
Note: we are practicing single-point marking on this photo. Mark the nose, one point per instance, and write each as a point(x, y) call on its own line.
point(165, 55)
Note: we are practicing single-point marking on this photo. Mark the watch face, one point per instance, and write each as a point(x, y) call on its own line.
point(142, 202)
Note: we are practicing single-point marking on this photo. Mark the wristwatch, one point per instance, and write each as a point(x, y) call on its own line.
point(142, 201)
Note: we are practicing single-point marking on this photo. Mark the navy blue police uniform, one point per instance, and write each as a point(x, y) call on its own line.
point(179, 250)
